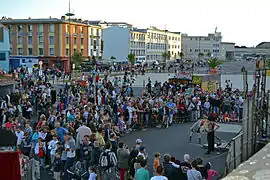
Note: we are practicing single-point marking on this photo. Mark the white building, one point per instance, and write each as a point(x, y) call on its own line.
point(95, 41)
point(4, 48)
point(227, 51)
point(193, 45)
point(174, 44)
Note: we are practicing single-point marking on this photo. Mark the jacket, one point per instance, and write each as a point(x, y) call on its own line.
point(123, 156)
point(96, 151)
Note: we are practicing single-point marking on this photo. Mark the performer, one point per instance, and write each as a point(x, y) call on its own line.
point(211, 127)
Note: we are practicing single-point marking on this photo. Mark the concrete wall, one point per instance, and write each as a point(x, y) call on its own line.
point(5, 48)
point(116, 42)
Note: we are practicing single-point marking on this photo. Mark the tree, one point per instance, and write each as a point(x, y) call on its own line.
point(112, 58)
point(77, 59)
point(208, 54)
point(100, 58)
point(267, 63)
point(214, 63)
point(200, 55)
point(181, 55)
point(131, 58)
point(166, 55)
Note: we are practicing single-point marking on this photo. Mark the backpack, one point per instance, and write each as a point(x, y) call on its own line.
point(105, 160)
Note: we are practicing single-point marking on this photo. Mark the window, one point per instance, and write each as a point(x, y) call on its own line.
point(75, 41)
point(67, 28)
point(67, 40)
point(179, 39)
point(82, 51)
point(30, 28)
point(30, 51)
point(40, 39)
point(190, 50)
point(2, 56)
point(169, 37)
point(19, 39)
point(51, 51)
point(51, 40)
point(30, 39)
point(19, 27)
point(51, 28)
point(67, 52)
point(40, 28)
point(1, 34)
point(40, 50)
point(20, 51)
point(82, 29)
point(82, 41)
point(75, 29)
point(191, 39)
point(10, 28)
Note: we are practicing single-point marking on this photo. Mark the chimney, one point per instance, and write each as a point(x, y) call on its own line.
point(29, 17)
point(63, 18)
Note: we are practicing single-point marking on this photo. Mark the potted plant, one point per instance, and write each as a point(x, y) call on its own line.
point(213, 64)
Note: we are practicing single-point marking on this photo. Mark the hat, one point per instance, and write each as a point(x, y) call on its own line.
point(138, 141)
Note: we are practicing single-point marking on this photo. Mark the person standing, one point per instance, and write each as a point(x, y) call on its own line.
point(211, 127)
point(143, 173)
point(70, 148)
point(108, 163)
point(123, 156)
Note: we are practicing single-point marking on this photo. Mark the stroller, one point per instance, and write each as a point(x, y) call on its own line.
point(77, 172)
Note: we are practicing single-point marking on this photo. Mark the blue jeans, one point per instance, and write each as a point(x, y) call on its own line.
point(216, 109)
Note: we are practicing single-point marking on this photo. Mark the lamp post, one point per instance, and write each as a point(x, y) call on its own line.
point(69, 15)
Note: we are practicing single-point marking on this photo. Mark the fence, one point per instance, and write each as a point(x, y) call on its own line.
point(235, 153)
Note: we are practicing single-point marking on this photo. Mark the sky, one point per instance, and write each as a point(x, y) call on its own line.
point(245, 22)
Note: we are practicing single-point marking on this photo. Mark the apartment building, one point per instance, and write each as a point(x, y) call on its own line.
point(137, 44)
point(192, 46)
point(174, 45)
point(4, 48)
point(162, 41)
point(48, 39)
point(95, 42)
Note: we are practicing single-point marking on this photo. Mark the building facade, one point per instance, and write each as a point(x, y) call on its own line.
point(174, 44)
point(227, 51)
point(4, 48)
point(117, 41)
point(95, 43)
point(192, 46)
point(52, 40)
point(137, 44)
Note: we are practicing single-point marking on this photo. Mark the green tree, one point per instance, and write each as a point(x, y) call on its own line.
point(131, 58)
point(100, 58)
point(208, 54)
point(214, 62)
point(181, 55)
point(112, 58)
point(77, 59)
point(166, 55)
point(267, 63)
point(200, 55)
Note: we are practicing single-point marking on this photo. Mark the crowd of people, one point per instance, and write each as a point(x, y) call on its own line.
point(78, 128)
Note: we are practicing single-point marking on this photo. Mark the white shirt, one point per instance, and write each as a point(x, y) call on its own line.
point(19, 137)
point(53, 146)
point(159, 178)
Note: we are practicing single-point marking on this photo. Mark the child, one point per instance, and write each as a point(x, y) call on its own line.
point(41, 152)
point(210, 172)
point(92, 174)
point(57, 166)
point(226, 117)
point(156, 162)
point(135, 121)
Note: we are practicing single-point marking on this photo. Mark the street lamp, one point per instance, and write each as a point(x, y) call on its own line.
point(69, 15)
